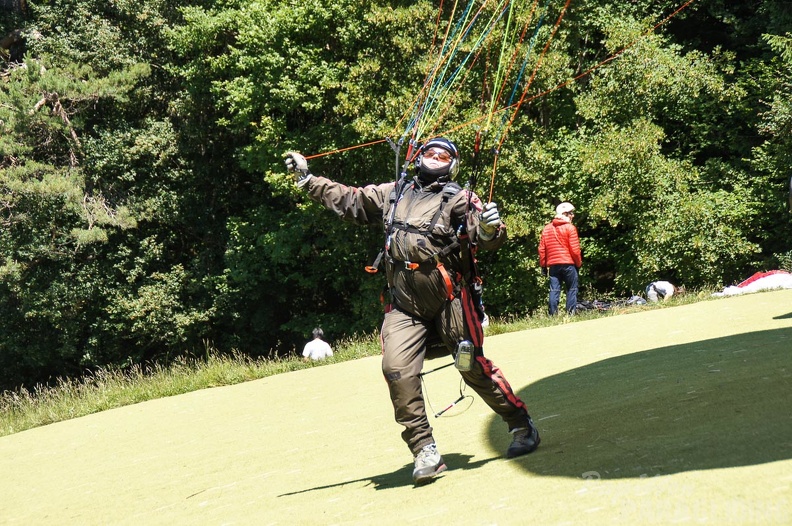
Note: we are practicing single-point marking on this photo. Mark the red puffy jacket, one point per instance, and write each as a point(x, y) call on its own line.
point(559, 244)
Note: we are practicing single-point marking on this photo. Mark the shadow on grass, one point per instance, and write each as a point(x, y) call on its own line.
point(403, 476)
point(711, 404)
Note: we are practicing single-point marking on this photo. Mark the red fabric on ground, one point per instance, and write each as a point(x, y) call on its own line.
point(760, 275)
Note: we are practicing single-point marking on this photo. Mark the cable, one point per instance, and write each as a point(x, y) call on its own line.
point(425, 388)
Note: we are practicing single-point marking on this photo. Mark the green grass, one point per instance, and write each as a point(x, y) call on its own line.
point(658, 416)
point(110, 388)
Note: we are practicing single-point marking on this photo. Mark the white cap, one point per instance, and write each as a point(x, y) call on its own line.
point(564, 207)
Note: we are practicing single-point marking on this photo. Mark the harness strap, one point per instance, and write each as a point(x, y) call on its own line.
point(449, 190)
point(374, 267)
point(395, 196)
point(436, 257)
point(415, 230)
point(447, 279)
point(408, 228)
point(471, 274)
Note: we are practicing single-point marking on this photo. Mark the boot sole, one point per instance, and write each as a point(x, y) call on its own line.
point(515, 455)
point(427, 478)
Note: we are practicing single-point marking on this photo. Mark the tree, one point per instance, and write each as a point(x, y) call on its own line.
point(147, 213)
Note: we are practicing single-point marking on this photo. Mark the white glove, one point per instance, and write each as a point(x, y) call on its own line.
point(296, 163)
point(489, 221)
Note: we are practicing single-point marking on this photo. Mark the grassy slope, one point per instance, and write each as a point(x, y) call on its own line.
point(668, 415)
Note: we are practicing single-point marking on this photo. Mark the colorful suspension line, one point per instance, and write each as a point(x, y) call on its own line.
point(524, 93)
point(441, 79)
point(447, 74)
point(499, 86)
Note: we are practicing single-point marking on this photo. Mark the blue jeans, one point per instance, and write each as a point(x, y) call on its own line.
point(568, 275)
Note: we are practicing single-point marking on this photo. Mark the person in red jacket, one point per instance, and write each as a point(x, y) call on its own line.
point(560, 257)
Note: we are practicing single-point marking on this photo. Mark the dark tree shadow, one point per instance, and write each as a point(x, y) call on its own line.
point(783, 316)
point(403, 476)
point(712, 404)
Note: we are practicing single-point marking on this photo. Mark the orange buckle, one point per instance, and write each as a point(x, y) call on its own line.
point(411, 266)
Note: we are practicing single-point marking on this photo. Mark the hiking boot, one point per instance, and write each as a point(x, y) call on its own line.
point(428, 464)
point(526, 440)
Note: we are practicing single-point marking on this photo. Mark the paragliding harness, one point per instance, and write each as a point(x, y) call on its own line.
point(461, 240)
point(436, 259)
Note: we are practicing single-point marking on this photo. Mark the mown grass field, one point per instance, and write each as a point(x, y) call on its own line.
point(665, 415)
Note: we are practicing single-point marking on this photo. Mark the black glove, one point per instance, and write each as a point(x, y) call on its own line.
point(296, 163)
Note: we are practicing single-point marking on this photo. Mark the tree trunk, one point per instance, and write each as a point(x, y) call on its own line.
point(14, 5)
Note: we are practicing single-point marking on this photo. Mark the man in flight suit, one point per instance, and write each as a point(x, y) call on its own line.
point(432, 228)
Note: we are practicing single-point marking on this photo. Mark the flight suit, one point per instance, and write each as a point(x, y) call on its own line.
point(427, 235)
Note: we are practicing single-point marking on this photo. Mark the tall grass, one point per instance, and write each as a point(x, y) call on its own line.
point(110, 388)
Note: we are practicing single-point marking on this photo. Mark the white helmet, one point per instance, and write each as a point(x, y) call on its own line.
point(564, 207)
point(447, 172)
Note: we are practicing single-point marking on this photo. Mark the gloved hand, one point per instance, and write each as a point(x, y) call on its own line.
point(545, 271)
point(489, 221)
point(296, 163)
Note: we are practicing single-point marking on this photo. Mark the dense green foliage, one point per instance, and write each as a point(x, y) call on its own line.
point(146, 214)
